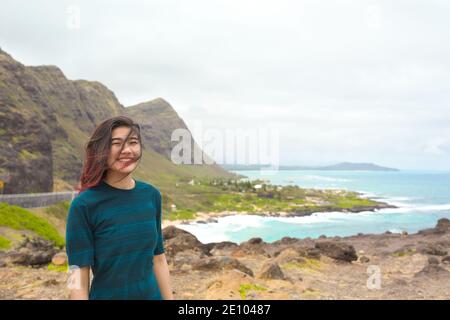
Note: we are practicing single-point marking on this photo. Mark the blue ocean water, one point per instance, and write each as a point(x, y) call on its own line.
point(422, 197)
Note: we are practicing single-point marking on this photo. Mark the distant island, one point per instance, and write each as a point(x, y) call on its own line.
point(347, 166)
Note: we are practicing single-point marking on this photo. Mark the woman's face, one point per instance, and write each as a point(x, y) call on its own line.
point(127, 160)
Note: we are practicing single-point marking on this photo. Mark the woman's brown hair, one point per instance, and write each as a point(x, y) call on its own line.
point(98, 147)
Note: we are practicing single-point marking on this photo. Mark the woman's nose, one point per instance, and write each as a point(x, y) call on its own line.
point(126, 149)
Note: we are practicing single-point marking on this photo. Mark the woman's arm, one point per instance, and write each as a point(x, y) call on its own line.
point(161, 270)
point(79, 283)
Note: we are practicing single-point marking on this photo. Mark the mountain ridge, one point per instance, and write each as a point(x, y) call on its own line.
point(339, 166)
point(46, 119)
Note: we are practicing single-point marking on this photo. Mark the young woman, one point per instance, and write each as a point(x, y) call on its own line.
point(114, 223)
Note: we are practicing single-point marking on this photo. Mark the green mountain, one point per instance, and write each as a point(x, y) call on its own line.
point(46, 119)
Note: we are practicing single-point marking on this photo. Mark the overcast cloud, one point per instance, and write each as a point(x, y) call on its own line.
point(343, 80)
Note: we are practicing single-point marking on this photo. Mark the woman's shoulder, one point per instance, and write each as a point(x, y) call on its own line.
point(85, 197)
point(148, 186)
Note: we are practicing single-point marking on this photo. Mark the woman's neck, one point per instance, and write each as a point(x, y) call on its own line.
point(118, 180)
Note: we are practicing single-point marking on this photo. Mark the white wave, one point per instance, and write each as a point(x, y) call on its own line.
point(400, 198)
point(415, 207)
point(216, 232)
point(434, 207)
point(370, 194)
point(321, 217)
point(205, 234)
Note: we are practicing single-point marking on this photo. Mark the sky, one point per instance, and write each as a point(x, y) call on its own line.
point(359, 81)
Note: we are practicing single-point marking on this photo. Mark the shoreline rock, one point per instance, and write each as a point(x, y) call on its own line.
point(289, 268)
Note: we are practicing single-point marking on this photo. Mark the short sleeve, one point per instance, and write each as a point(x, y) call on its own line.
point(159, 249)
point(79, 235)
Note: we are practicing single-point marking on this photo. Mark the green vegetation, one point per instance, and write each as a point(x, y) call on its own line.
point(59, 210)
point(404, 253)
point(246, 287)
point(20, 219)
point(252, 197)
point(4, 243)
point(182, 214)
point(309, 264)
point(27, 155)
point(63, 268)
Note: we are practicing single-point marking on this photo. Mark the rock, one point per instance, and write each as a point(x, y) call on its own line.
point(433, 271)
point(433, 260)
point(171, 232)
point(364, 259)
point(59, 259)
point(34, 252)
point(254, 246)
point(286, 241)
point(227, 285)
point(312, 253)
point(271, 270)
point(221, 263)
point(188, 257)
point(218, 246)
point(446, 259)
point(289, 255)
point(337, 250)
point(2, 264)
point(182, 240)
point(31, 258)
point(442, 226)
point(223, 251)
point(433, 249)
point(254, 241)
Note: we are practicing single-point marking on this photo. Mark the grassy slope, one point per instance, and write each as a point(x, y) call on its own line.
point(18, 218)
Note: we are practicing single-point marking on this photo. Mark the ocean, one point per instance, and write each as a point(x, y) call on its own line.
point(422, 197)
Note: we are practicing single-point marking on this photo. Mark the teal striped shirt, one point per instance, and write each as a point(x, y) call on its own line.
point(117, 232)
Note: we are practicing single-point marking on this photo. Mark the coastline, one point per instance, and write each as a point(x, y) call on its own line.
point(211, 217)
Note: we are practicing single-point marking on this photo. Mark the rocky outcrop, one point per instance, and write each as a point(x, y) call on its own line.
point(32, 252)
point(221, 248)
point(289, 255)
point(442, 226)
point(337, 250)
point(182, 243)
point(221, 263)
point(271, 270)
point(60, 259)
point(435, 249)
point(254, 246)
point(289, 272)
